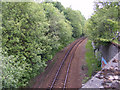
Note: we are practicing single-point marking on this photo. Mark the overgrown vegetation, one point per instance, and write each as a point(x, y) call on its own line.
point(103, 24)
point(116, 41)
point(93, 63)
point(102, 28)
point(31, 34)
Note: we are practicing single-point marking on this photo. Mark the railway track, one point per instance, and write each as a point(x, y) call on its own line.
point(65, 67)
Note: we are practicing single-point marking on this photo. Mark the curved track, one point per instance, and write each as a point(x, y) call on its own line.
point(65, 67)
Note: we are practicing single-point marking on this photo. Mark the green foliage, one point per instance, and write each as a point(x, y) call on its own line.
point(15, 72)
point(75, 18)
point(60, 29)
point(77, 21)
point(92, 63)
point(59, 6)
point(103, 25)
point(31, 34)
point(23, 36)
point(116, 41)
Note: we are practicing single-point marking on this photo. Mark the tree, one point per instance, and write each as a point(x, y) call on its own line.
point(59, 30)
point(77, 21)
point(31, 34)
point(59, 6)
point(103, 25)
point(23, 42)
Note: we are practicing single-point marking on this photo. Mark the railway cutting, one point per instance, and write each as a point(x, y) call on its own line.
point(63, 73)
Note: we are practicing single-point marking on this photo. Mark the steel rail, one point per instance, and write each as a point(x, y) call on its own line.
point(62, 64)
point(68, 68)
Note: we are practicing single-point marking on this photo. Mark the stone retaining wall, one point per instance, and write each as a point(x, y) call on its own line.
point(109, 51)
point(109, 80)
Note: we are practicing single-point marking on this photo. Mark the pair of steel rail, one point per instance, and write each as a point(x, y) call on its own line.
point(68, 68)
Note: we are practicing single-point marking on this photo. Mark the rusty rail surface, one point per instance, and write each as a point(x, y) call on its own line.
point(66, 76)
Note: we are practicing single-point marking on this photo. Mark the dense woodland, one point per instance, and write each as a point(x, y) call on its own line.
point(32, 33)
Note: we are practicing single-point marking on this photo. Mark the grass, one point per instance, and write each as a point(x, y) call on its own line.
point(92, 62)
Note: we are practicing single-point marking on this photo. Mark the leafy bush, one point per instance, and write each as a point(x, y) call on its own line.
point(23, 38)
point(60, 29)
point(15, 72)
point(103, 24)
point(31, 34)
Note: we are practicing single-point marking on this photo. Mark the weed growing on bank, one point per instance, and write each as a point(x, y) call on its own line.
point(93, 63)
